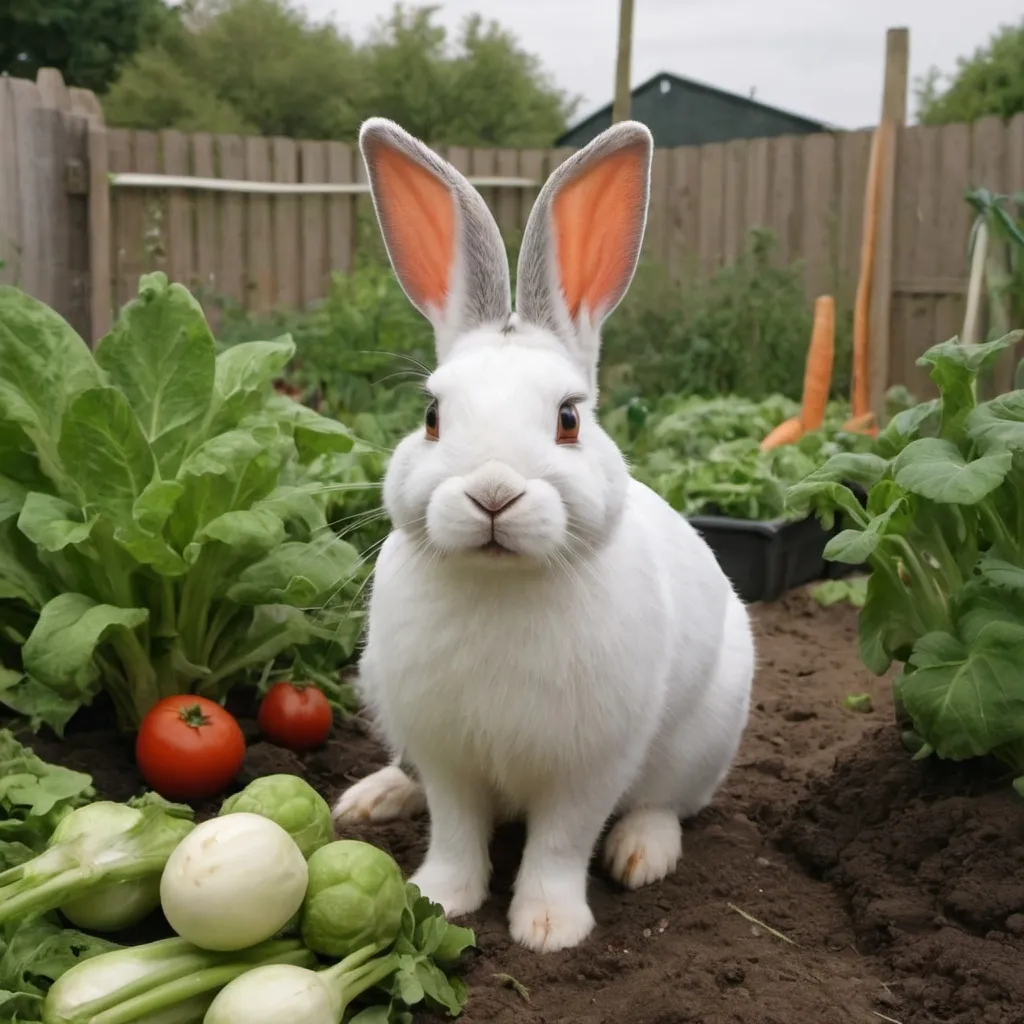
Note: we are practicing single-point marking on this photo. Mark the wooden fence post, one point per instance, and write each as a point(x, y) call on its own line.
point(894, 117)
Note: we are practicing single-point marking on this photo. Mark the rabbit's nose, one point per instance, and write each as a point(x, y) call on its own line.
point(494, 501)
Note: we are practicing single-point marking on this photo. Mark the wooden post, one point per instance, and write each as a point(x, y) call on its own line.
point(894, 118)
point(620, 108)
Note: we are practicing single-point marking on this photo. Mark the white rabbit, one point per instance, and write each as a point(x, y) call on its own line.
point(547, 640)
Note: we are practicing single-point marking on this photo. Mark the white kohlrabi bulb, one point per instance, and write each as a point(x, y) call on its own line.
point(275, 994)
point(233, 882)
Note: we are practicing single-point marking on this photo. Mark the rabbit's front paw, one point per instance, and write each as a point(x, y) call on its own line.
point(549, 925)
point(643, 847)
point(385, 795)
point(453, 886)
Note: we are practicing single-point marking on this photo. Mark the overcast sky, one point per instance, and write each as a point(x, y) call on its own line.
point(821, 58)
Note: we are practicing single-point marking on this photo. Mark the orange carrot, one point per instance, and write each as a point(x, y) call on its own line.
point(788, 432)
point(859, 398)
point(862, 425)
point(818, 370)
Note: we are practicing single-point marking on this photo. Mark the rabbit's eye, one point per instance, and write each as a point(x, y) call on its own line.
point(431, 422)
point(568, 424)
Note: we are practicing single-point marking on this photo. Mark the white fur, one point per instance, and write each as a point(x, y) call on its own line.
point(600, 664)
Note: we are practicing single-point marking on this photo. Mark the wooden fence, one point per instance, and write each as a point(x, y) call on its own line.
point(81, 246)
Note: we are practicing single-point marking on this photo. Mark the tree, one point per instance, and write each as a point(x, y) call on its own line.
point(991, 82)
point(262, 66)
point(89, 41)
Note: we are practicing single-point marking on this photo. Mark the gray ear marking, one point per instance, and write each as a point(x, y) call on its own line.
point(540, 297)
point(479, 290)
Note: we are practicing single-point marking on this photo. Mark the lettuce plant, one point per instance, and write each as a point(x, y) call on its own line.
point(943, 534)
point(158, 531)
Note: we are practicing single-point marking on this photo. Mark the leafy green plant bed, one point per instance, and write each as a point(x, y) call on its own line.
point(943, 533)
point(704, 457)
point(162, 526)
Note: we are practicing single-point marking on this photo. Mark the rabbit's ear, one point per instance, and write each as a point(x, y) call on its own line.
point(443, 243)
point(582, 241)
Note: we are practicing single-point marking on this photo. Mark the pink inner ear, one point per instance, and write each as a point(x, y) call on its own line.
point(418, 220)
point(598, 218)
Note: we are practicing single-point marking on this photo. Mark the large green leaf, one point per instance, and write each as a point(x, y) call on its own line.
point(43, 365)
point(161, 355)
point(251, 531)
point(967, 701)
point(314, 434)
point(106, 452)
point(885, 627)
point(22, 576)
point(52, 523)
point(935, 469)
point(59, 652)
point(906, 425)
point(227, 473)
point(12, 498)
point(298, 574)
point(38, 704)
point(243, 377)
point(999, 423)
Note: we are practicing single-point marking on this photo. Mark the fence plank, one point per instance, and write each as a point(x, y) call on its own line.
point(758, 183)
point(260, 291)
point(818, 236)
point(913, 314)
point(174, 148)
point(655, 247)
point(783, 216)
point(125, 217)
point(25, 102)
point(507, 199)
point(532, 164)
point(854, 150)
point(74, 131)
point(711, 241)
point(734, 213)
point(100, 228)
point(684, 213)
point(48, 160)
point(153, 241)
point(952, 215)
point(287, 246)
point(340, 209)
point(204, 208)
point(1015, 185)
point(313, 167)
point(233, 248)
point(484, 163)
point(10, 199)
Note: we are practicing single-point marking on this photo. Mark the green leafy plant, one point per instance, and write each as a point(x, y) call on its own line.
point(943, 533)
point(704, 457)
point(159, 529)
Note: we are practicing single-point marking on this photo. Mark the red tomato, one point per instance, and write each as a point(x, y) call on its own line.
point(296, 717)
point(189, 748)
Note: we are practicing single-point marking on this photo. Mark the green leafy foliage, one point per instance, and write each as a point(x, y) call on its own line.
point(989, 82)
point(704, 457)
point(314, 82)
point(161, 528)
point(943, 532)
point(88, 41)
point(34, 797)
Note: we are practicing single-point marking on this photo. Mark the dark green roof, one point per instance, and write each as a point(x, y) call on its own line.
point(682, 112)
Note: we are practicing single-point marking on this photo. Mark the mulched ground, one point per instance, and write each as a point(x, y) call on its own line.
point(896, 889)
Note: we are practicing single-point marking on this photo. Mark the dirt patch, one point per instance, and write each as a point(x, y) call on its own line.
point(899, 886)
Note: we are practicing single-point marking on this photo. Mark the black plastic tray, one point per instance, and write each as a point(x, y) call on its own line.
point(765, 558)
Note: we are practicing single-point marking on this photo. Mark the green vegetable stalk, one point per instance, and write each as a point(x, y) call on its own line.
point(943, 533)
point(165, 982)
point(103, 864)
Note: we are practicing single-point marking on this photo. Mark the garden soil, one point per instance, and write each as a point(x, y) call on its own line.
point(833, 880)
